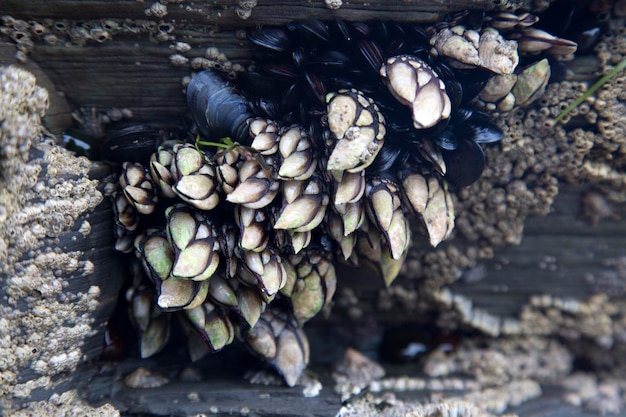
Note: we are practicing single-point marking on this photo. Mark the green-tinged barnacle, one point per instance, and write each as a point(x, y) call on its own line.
point(181, 293)
point(532, 40)
point(221, 292)
point(123, 239)
point(263, 269)
point(511, 20)
point(429, 198)
point(466, 48)
point(497, 54)
point(416, 85)
point(138, 187)
point(186, 160)
point(531, 83)
point(370, 250)
point(257, 185)
point(290, 282)
point(335, 229)
point(196, 346)
point(264, 134)
point(497, 93)
point(352, 215)
point(294, 241)
point(154, 338)
point(157, 255)
point(141, 304)
point(254, 228)
point(315, 283)
point(226, 165)
point(304, 205)
point(438, 215)
point(228, 244)
point(280, 342)
point(250, 305)
point(160, 168)
point(348, 187)
point(195, 179)
point(385, 210)
point(124, 213)
point(195, 243)
point(212, 324)
point(153, 325)
point(296, 150)
point(358, 127)
point(497, 87)
point(299, 240)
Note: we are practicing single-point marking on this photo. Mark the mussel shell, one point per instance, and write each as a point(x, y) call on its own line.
point(133, 143)
point(272, 38)
point(315, 87)
point(217, 109)
point(311, 30)
point(372, 53)
point(446, 140)
point(329, 60)
point(476, 125)
point(485, 133)
point(465, 164)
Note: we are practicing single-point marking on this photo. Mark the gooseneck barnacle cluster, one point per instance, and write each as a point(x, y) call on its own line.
point(322, 154)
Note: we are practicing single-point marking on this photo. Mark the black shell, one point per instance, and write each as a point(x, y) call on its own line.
point(217, 108)
point(133, 143)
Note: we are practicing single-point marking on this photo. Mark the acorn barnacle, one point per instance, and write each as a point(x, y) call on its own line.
point(342, 135)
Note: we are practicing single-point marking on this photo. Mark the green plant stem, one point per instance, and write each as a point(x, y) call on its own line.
point(592, 89)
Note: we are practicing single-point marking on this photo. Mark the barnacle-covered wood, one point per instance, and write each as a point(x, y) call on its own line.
point(225, 11)
point(54, 244)
point(147, 47)
point(554, 301)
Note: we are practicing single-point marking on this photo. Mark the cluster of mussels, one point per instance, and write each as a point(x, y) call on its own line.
point(321, 154)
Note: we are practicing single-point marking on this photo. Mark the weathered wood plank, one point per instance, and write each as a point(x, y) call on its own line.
point(223, 11)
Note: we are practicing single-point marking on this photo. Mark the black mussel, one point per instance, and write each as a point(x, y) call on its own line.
point(465, 164)
point(474, 19)
point(361, 29)
point(588, 38)
point(299, 56)
point(217, 109)
point(281, 71)
point(341, 30)
point(446, 140)
point(256, 84)
point(372, 53)
point(329, 60)
point(486, 133)
point(475, 125)
point(313, 31)
point(389, 157)
point(80, 143)
point(314, 86)
point(265, 107)
point(133, 143)
point(473, 82)
point(272, 38)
